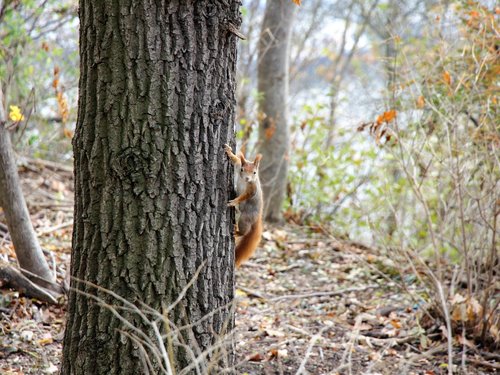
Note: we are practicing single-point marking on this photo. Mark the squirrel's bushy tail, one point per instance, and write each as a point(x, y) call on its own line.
point(246, 244)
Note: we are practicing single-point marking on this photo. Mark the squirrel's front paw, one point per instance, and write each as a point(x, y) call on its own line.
point(228, 149)
point(232, 203)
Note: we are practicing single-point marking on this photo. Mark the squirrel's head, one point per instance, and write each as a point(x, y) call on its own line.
point(249, 170)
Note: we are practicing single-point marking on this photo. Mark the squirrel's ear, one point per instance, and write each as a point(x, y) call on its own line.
point(242, 158)
point(257, 160)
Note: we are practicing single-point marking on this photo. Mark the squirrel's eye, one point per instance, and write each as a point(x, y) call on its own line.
point(242, 169)
point(254, 172)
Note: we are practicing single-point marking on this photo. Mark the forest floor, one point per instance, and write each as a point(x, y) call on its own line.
point(306, 303)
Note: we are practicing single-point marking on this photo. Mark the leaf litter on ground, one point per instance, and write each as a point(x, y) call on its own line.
point(306, 303)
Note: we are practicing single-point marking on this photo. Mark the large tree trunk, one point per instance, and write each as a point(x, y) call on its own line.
point(272, 73)
point(28, 251)
point(152, 181)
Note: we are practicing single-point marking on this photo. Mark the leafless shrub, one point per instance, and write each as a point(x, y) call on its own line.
point(445, 150)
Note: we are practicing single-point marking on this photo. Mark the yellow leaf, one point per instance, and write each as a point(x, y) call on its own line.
point(15, 113)
point(241, 293)
point(297, 2)
point(45, 341)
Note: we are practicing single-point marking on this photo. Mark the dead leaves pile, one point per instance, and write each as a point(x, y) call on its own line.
point(30, 338)
point(31, 332)
point(306, 302)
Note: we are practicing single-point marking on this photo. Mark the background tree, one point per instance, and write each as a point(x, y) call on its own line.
point(157, 97)
point(28, 251)
point(38, 280)
point(274, 134)
point(247, 69)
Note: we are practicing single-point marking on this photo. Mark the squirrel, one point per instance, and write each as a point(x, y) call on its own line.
point(250, 203)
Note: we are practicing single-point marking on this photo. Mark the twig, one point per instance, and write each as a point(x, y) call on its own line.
point(392, 341)
point(55, 228)
point(21, 283)
point(316, 337)
point(42, 282)
point(297, 330)
point(253, 292)
point(324, 294)
point(288, 268)
point(233, 29)
point(482, 363)
point(410, 361)
point(49, 164)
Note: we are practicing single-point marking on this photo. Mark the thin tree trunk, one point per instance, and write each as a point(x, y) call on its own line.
point(342, 62)
point(156, 106)
point(28, 251)
point(390, 56)
point(274, 137)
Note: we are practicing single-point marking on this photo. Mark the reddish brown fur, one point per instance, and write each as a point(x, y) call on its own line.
point(247, 244)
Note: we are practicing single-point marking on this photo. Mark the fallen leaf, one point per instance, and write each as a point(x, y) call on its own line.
point(57, 186)
point(257, 357)
point(240, 293)
point(396, 323)
point(392, 352)
point(27, 335)
point(374, 356)
point(45, 341)
point(280, 235)
point(364, 327)
point(282, 353)
point(457, 298)
point(474, 309)
point(51, 369)
point(274, 333)
point(267, 235)
point(463, 341)
point(273, 353)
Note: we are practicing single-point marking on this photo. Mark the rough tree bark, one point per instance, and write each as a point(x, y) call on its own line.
point(272, 76)
point(28, 251)
point(152, 182)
